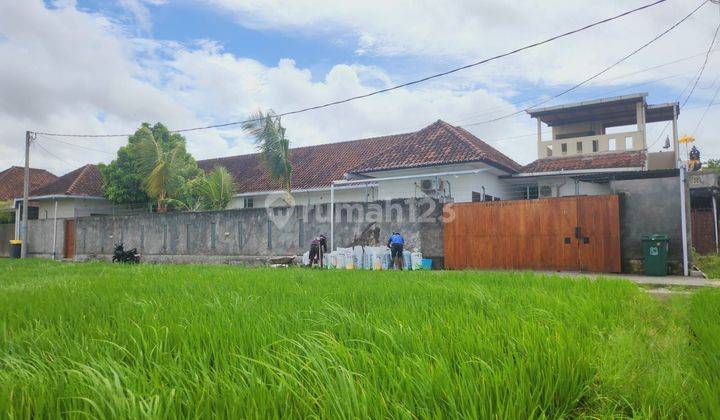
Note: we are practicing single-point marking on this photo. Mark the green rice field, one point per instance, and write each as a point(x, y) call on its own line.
point(97, 340)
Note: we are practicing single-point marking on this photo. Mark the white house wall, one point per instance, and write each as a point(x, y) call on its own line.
point(309, 197)
point(565, 187)
point(71, 207)
point(460, 187)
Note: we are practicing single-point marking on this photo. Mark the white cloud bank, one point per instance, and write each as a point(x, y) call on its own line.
point(64, 70)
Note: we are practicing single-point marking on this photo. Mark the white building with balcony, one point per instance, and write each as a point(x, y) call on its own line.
point(593, 142)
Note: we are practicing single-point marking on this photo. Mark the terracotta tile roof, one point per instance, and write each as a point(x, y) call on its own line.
point(634, 159)
point(438, 144)
point(317, 166)
point(83, 181)
point(11, 181)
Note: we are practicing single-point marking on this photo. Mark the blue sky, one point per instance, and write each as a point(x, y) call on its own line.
point(107, 65)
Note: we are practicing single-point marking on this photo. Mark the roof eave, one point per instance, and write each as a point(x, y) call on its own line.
point(426, 165)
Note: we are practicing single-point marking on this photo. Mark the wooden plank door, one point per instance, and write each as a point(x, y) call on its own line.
point(703, 231)
point(599, 233)
point(69, 242)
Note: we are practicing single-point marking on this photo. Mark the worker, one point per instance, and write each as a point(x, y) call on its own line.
point(396, 243)
point(318, 248)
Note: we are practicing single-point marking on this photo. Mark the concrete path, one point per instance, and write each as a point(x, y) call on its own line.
point(649, 280)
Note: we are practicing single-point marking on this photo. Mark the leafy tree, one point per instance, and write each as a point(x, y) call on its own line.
point(273, 146)
point(153, 165)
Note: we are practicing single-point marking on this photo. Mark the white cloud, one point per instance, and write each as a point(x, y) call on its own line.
point(465, 30)
point(140, 12)
point(64, 70)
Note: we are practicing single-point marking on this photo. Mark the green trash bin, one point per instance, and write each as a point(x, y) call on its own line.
point(655, 250)
point(15, 248)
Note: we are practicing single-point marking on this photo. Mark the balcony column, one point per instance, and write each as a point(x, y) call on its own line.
point(640, 118)
point(541, 152)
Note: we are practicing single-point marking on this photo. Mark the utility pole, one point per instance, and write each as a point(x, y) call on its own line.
point(26, 194)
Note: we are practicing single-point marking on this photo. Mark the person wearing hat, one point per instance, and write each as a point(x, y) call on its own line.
point(396, 244)
point(318, 248)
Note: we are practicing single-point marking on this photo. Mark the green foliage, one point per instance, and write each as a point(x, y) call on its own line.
point(153, 165)
point(708, 264)
point(712, 165)
point(6, 216)
point(151, 341)
point(214, 190)
point(273, 146)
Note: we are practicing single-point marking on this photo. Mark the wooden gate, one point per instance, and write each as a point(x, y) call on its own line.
point(69, 242)
point(703, 231)
point(569, 233)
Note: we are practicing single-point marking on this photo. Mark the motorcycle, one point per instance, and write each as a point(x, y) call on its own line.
point(129, 256)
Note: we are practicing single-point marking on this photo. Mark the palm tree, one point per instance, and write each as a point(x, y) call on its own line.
point(215, 190)
point(163, 179)
point(273, 146)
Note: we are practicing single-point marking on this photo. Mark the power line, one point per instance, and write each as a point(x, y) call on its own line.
point(621, 76)
point(69, 165)
point(694, 85)
point(395, 87)
point(76, 145)
point(702, 69)
point(606, 69)
point(712, 101)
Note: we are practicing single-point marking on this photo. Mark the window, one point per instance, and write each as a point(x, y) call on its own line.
point(479, 197)
point(578, 147)
point(628, 143)
point(531, 192)
point(611, 145)
point(596, 146)
point(549, 151)
point(563, 148)
point(249, 202)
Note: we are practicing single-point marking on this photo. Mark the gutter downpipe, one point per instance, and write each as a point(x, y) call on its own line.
point(17, 220)
point(55, 232)
point(332, 216)
point(683, 221)
point(715, 220)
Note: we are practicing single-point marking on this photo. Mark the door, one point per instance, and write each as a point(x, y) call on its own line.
point(703, 231)
point(598, 233)
point(69, 243)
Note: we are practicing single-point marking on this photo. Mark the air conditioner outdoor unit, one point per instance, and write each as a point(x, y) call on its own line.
point(545, 191)
point(427, 185)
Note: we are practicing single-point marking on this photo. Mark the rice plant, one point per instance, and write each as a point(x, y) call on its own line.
point(156, 341)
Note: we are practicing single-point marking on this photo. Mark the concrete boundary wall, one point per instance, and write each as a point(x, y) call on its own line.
point(651, 205)
point(252, 235)
point(7, 233)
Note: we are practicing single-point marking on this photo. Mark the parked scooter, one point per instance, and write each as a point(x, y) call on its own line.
point(129, 256)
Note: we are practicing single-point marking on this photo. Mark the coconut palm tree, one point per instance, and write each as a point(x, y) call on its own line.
point(214, 190)
point(273, 146)
point(163, 179)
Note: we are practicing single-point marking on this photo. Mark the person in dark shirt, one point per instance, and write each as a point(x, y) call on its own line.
point(396, 244)
point(318, 248)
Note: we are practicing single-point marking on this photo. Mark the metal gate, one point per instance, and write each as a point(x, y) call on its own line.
point(569, 233)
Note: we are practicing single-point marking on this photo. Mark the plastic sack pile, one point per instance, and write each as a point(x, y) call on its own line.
point(366, 258)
